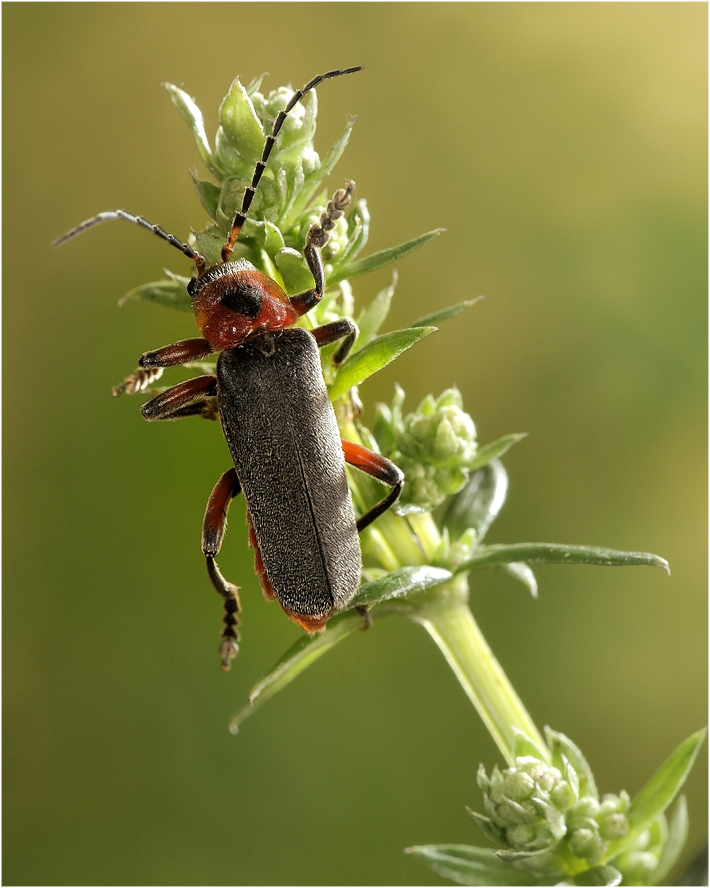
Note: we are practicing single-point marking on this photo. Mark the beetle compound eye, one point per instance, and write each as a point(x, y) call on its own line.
point(244, 300)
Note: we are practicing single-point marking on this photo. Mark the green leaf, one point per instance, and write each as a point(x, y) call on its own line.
point(525, 746)
point(677, 836)
point(358, 231)
point(558, 553)
point(489, 829)
point(307, 650)
point(658, 793)
point(310, 648)
point(208, 193)
point(599, 875)
point(399, 584)
point(240, 124)
point(192, 115)
point(436, 317)
point(496, 449)
point(384, 257)
point(478, 502)
point(469, 865)
point(294, 270)
point(563, 748)
point(171, 294)
point(255, 84)
point(372, 318)
point(520, 571)
point(313, 181)
point(374, 356)
point(273, 239)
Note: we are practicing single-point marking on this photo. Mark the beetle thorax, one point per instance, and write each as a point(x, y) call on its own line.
point(233, 302)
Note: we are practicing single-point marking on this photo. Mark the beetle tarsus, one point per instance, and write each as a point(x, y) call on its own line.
point(229, 648)
point(138, 381)
point(316, 239)
point(362, 611)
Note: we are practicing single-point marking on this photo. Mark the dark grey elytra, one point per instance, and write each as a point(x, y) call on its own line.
point(279, 424)
point(285, 443)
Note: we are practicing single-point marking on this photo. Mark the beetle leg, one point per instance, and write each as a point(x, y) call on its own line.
point(177, 353)
point(344, 329)
point(317, 238)
point(190, 398)
point(213, 529)
point(378, 467)
point(151, 364)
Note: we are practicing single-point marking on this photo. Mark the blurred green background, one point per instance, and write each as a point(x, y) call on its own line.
point(563, 146)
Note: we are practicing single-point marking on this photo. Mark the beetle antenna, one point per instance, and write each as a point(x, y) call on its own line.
point(138, 220)
point(241, 216)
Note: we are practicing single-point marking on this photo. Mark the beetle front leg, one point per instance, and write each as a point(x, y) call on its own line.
point(151, 364)
point(344, 329)
point(315, 241)
point(194, 397)
point(378, 467)
point(213, 529)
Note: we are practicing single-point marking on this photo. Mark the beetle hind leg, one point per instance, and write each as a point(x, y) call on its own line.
point(213, 529)
point(379, 467)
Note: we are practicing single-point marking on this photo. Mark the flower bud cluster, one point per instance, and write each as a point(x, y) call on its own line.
point(592, 824)
point(435, 446)
point(639, 864)
point(527, 804)
point(290, 197)
point(533, 807)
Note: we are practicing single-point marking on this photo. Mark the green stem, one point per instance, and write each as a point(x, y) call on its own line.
point(448, 619)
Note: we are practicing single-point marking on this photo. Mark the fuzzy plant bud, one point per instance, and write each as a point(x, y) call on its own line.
point(527, 803)
point(639, 863)
point(592, 824)
point(434, 446)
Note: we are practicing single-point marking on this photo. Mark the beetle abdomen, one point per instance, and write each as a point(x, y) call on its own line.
point(283, 436)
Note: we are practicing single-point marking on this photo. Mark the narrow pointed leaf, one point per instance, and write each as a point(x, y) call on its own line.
point(437, 316)
point(600, 875)
point(510, 855)
point(358, 231)
point(307, 650)
point(171, 294)
point(496, 449)
point(490, 831)
point(192, 115)
point(478, 503)
point(677, 836)
point(469, 865)
point(375, 355)
point(399, 584)
point(372, 318)
point(384, 257)
point(255, 84)
point(558, 553)
point(563, 748)
point(520, 571)
point(314, 180)
point(658, 793)
point(525, 746)
point(208, 193)
point(310, 648)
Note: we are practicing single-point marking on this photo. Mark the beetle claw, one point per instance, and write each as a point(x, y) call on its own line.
point(228, 650)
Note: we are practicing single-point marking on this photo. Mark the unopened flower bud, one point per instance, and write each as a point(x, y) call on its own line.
point(585, 842)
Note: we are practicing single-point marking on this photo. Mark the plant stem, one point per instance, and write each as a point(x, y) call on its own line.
point(449, 621)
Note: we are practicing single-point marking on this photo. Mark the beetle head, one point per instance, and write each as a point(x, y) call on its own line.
point(233, 302)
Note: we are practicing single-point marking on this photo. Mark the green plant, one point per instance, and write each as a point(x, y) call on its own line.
point(543, 811)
